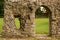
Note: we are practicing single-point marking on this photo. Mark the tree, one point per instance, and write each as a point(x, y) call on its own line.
point(1, 8)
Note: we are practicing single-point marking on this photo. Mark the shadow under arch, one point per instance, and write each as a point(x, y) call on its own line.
point(48, 13)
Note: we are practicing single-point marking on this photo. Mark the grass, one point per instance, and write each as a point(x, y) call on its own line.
point(1, 24)
point(41, 25)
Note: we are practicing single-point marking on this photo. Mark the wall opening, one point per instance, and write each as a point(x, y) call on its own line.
point(17, 21)
point(1, 14)
point(42, 20)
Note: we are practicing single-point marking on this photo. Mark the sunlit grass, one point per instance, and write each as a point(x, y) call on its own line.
point(41, 25)
point(1, 24)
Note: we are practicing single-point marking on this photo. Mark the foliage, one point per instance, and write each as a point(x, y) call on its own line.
point(1, 7)
point(40, 13)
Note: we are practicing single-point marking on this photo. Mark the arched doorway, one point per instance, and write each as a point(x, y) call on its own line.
point(43, 20)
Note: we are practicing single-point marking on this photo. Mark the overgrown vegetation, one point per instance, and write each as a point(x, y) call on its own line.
point(1, 8)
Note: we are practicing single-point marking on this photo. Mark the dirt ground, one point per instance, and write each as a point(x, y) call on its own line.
point(37, 37)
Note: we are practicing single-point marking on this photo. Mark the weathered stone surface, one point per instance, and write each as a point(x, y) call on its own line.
point(26, 11)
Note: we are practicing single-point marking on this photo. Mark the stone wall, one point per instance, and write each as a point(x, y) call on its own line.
point(26, 11)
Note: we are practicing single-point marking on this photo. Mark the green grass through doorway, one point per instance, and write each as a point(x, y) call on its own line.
point(41, 25)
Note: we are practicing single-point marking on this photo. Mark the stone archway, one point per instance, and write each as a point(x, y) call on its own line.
point(26, 9)
point(45, 12)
